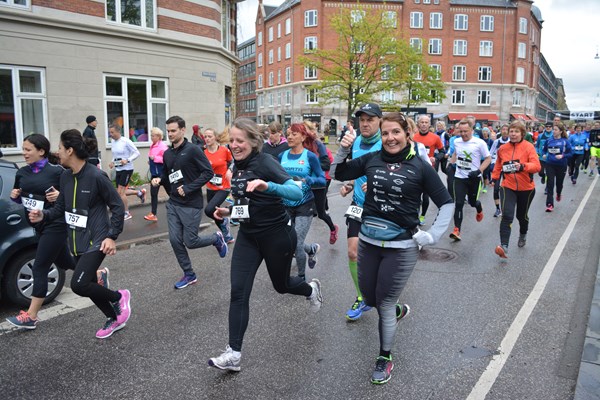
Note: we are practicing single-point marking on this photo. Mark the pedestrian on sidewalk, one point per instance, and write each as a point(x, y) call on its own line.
point(155, 160)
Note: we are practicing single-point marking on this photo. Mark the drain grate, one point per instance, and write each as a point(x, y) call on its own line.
point(437, 255)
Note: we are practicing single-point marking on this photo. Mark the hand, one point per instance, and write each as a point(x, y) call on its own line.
point(559, 156)
point(432, 160)
point(475, 174)
point(15, 193)
point(257, 185)
point(155, 181)
point(151, 157)
point(181, 191)
point(36, 216)
point(348, 139)
point(52, 196)
point(124, 161)
point(364, 187)
point(423, 238)
point(228, 175)
point(108, 247)
point(111, 165)
point(346, 189)
point(221, 212)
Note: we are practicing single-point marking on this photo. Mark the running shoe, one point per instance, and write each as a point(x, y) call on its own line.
point(355, 312)
point(226, 231)
point(558, 197)
point(479, 216)
point(23, 320)
point(573, 181)
point(110, 326)
point(123, 307)
point(221, 245)
point(150, 217)
point(498, 213)
point(312, 256)
point(591, 173)
point(383, 370)
point(549, 208)
point(316, 298)
point(127, 216)
point(227, 361)
point(422, 220)
point(502, 251)
point(333, 235)
point(545, 191)
point(543, 180)
point(234, 223)
point(484, 190)
point(522, 240)
point(186, 280)
point(455, 234)
point(402, 311)
point(102, 276)
point(142, 195)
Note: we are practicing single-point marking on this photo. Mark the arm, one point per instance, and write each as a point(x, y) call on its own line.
point(532, 165)
point(441, 197)
point(339, 158)
point(317, 176)
point(112, 199)
point(486, 162)
point(497, 171)
point(133, 151)
point(206, 171)
point(158, 157)
point(287, 190)
point(323, 157)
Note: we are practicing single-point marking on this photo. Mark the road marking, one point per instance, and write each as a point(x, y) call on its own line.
point(489, 376)
point(67, 303)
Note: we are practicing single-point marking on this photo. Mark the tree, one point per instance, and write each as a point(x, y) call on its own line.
point(371, 58)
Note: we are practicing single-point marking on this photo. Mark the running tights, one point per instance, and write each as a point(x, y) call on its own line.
point(555, 174)
point(214, 199)
point(509, 200)
point(465, 187)
point(52, 248)
point(320, 205)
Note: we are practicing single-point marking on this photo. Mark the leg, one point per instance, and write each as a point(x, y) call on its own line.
point(561, 171)
point(369, 259)
point(320, 198)
point(122, 193)
point(176, 239)
point(154, 198)
point(302, 227)
point(474, 188)
point(524, 200)
point(508, 199)
point(550, 177)
point(460, 190)
point(190, 219)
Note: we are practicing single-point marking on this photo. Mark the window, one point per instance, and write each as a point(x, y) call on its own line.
point(520, 75)
point(417, 44)
point(390, 19)
point(260, 81)
point(517, 94)
point(16, 3)
point(310, 73)
point(356, 16)
point(485, 74)
point(136, 104)
point(259, 39)
point(288, 50)
point(483, 97)
point(288, 97)
point(310, 44)
point(460, 47)
point(435, 46)
point(271, 99)
point(435, 20)
point(436, 2)
point(437, 71)
point(133, 13)
point(225, 24)
point(523, 25)
point(385, 72)
point(388, 96)
point(271, 56)
point(312, 96)
point(288, 74)
point(486, 48)
point(417, 1)
point(260, 60)
point(522, 50)
point(270, 34)
point(487, 23)
point(416, 72)
point(24, 109)
point(461, 22)
point(279, 77)
point(358, 70)
point(278, 30)
point(416, 19)
point(310, 18)
point(288, 26)
point(261, 100)
point(426, 1)
point(458, 96)
point(459, 73)
point(357, 47)
point(434, 95)
point(278, 53)
point(271, 78)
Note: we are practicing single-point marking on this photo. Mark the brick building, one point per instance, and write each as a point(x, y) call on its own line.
point(133, 63)
point(246, 79)
point(488, 53)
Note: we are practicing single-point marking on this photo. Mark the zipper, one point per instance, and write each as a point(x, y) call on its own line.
point(74, 203)
point(515, 174)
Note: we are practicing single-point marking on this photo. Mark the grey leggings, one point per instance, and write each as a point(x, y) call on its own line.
point(382, 275)
point(302, 226)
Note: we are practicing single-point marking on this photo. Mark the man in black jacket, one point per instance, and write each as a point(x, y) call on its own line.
point(89, 133)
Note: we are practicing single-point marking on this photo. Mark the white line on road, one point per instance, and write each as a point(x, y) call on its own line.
point(67, 303)
point(489, 376)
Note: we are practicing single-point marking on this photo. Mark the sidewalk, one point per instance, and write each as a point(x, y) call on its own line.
point(162, 196)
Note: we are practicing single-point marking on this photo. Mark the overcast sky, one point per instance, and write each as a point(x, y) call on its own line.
point(568, 43)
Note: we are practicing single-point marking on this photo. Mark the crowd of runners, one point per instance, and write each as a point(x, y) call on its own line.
point(272, 184)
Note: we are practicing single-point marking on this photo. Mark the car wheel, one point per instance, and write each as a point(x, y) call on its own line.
point(17, 283)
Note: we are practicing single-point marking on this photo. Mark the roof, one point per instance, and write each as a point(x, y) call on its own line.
point(537, 14)
point(483, 3)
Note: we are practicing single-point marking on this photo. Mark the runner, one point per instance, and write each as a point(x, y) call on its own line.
point(389, 235)
point(218, 188)
point(594, 143)
point(579, 144)
point(503, 139)
point(471, 157)
point(556, 152)
point(277, 143)
point(155, 160)
point(36, 188)
point(86, 196)
point(539, 147)
point(186, 170)
point(369, 116)
point(258, 185)
point(301, 163)
point(516, 163)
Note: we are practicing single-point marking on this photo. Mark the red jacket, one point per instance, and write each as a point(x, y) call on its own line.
point(523, 153)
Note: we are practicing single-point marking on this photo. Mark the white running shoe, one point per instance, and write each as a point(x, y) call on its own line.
point(228, 360)
point(316, 298)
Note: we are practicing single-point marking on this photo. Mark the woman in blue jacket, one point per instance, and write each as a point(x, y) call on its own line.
point(556, 152)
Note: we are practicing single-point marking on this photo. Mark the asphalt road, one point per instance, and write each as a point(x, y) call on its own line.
point(464, 301)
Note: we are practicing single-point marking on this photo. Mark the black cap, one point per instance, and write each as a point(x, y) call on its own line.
point(549, 124)
point(371, 109)
point(90, 119)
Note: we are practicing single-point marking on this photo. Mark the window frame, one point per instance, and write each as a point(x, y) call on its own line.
point(143, 17)
point(461, 101)
point(485, 47)
point(307, 42)
point(356, 16)
point(259, 39)
point(311, 95)
point(390, 19)
point(482, 96)
point(523, 25)
point(311, 18)
point(310, 72)
point(438, 69)
point(271, 79)
point(288, 74)
point(483, 25)
point(418, 23)
point(288, 26)
point(288, 51)
point(432, 18)
point(481, 73)
point(456, 43)
point(517, 98)
point(270, 57)
point(522, 50)
point(418, 48)
point(431, 41)
point(457, 75)
point(458, 18)
point(520, 71)
point(11, 3)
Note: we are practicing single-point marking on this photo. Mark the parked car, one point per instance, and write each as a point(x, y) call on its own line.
point(18, 243)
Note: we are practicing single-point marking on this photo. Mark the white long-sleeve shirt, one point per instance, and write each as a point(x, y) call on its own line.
point(124, 148)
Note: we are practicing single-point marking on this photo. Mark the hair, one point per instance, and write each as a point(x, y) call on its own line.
point(578, 126)
point(275, 127)
point(350, 122)
point(310, 125)
point(115, 127)
point(255, 137)
point(40, 142)
point(157, 131)
point(310, 138)
point(442, 123)
point(563, 131)
point(214, 132)
point(465, 121)
point(504, 125)
point(82, 147)
point(223, 137)
point(411, 126)
point(176, 119)
point(519, 125)
point(423, 116)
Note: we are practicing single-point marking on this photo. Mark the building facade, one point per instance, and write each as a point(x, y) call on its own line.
point(487, 51)
point(128, 63)
point(246, 78)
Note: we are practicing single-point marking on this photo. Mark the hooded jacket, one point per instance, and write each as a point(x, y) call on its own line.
point(523, 153)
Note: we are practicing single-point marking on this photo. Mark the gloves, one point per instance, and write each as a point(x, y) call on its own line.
point(475, 174)
point(423, 238)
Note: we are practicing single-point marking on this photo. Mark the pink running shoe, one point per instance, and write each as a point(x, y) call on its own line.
point(110, 327)
point(124, 307)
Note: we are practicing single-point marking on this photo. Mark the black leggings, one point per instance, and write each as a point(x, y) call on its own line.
point(586, 159)
point(276, 247)
point(574, 163)
point(554, 172)
point(85, 283)
point(509, 200)
point(52, 248)
point(450, 169)
point(214, 199)
point(465, 187)
point(154, 196)
point(320, 199)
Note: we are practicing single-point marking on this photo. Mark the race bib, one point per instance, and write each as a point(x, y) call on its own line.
point(578, 148)
point(509, 168)
point(554, 150)
point(217, 180)
point(354, 212)
point(463, 164)
point(596, 144)
point(240, 212)
point(176, 176)
point(32, 202)
point(76, 219)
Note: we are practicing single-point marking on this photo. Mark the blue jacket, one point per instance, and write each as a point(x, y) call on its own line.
point(579, 142)
point(554, 147)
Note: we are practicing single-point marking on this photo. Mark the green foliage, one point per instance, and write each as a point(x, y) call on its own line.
point(136, 180)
